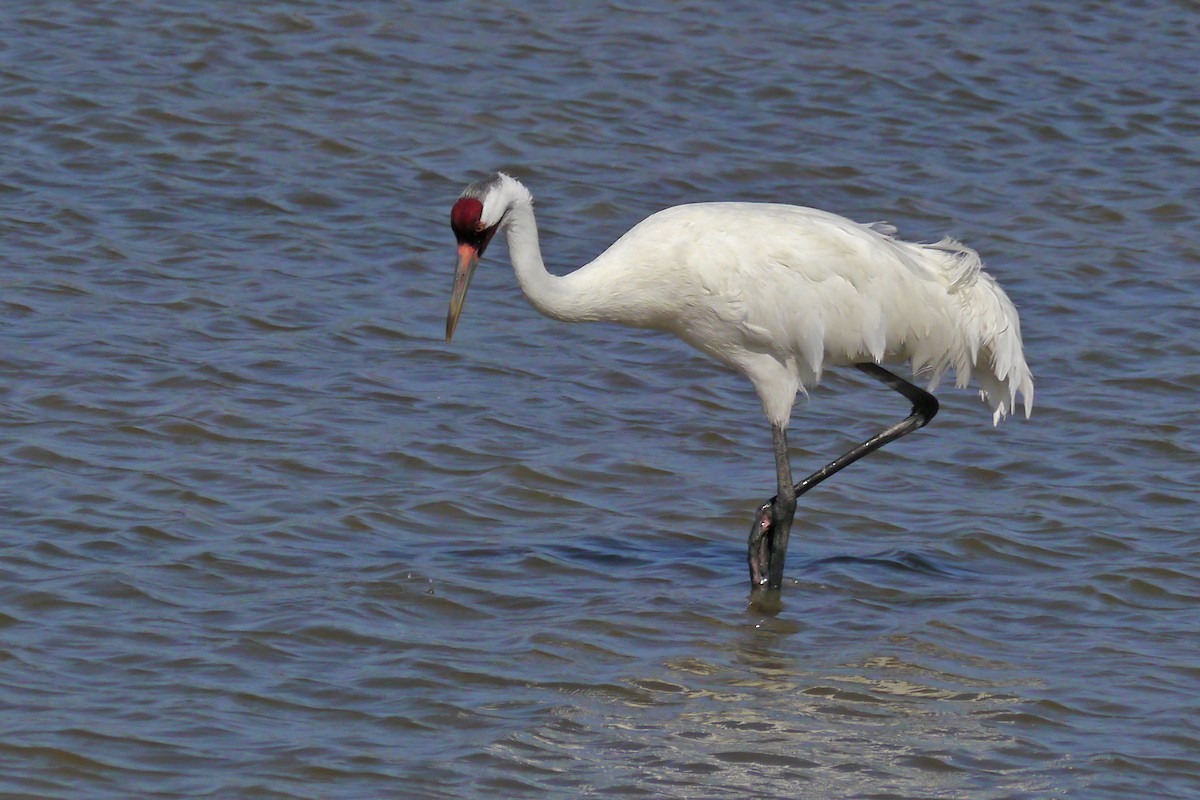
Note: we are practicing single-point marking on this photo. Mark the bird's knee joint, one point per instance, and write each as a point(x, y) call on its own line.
point(925, 409)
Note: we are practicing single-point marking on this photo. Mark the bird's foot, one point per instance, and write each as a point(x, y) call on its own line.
point(758, 550)
point(767, 545)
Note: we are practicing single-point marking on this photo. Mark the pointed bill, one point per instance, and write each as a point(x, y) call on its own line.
point(468, 259)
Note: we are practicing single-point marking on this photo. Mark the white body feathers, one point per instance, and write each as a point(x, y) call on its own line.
point(781, 292)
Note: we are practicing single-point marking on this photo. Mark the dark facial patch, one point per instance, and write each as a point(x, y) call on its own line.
point(464, 220)
point(464, 217)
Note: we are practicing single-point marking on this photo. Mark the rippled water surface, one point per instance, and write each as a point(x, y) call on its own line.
point(266, 535)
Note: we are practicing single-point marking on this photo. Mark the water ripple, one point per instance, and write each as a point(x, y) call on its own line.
point(268, 535)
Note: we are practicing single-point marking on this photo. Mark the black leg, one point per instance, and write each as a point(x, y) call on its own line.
point(758, 548)
point(767, 547)
point(766, 553)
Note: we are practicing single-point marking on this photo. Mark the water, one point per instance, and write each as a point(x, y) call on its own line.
point(268, 536)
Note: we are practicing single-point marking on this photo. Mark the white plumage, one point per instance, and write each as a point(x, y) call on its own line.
point(778, 292)
point(782, 292)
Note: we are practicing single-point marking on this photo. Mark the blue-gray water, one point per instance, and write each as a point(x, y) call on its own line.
point(266, 535)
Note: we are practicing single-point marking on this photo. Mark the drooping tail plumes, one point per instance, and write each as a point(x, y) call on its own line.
point(989, 329)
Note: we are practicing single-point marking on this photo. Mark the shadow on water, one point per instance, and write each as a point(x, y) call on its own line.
point(666, 555)
point(897, 560)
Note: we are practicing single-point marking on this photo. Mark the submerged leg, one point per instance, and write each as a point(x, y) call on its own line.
point(767, 547)
point(773, 520)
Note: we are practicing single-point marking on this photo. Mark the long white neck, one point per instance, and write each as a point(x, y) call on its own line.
point(554, 296)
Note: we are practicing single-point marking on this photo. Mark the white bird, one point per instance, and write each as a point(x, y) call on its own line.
point(778, 293)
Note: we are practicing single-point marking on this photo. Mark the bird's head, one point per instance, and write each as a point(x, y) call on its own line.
point(476, 216)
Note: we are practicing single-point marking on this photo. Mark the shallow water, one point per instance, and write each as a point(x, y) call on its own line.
point(268, 536)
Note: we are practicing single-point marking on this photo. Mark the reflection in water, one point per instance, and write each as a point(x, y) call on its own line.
point(267, 536)
point(892, 559)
